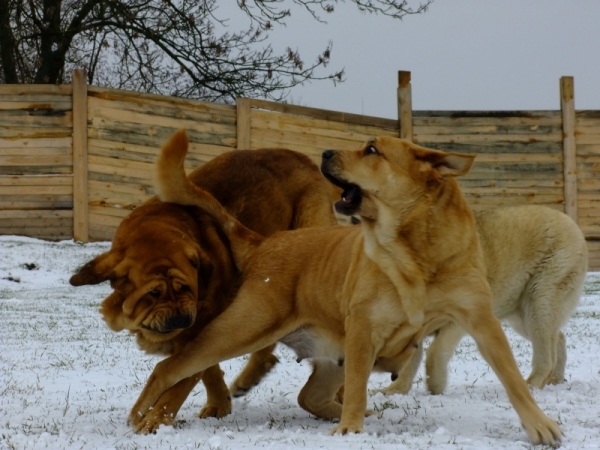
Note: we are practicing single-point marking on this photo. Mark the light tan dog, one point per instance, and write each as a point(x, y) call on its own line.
point(172, 270)
point(363, 295)
point(536, 260)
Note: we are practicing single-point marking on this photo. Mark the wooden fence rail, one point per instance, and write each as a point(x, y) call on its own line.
point(75, 160)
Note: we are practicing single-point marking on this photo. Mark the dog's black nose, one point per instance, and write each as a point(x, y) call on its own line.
point(328, 154)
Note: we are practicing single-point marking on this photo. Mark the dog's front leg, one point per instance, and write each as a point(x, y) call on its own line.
point(359, 361)
point(167, 406)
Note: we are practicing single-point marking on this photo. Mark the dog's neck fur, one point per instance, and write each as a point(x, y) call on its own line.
point(391, 240)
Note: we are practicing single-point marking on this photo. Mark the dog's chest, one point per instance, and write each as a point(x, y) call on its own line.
point(310, 343)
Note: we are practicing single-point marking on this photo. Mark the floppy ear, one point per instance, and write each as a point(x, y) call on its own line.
point(446, 164)
point(101, 268)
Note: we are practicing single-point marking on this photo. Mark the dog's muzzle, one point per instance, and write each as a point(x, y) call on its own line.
point(351, 195)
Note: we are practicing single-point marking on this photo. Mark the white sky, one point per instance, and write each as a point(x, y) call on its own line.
point(463, 55)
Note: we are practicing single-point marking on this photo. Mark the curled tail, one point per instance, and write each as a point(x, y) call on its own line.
point(173, 186)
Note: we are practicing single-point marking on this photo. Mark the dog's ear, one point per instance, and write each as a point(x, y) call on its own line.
point(106, 266)
point(445, 164)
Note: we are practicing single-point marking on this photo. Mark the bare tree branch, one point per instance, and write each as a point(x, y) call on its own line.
point(174, 47)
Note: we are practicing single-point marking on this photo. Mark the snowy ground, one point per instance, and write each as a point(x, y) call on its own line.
point(67, 381)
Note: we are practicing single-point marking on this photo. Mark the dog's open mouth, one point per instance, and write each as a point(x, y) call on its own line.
point(351, 197)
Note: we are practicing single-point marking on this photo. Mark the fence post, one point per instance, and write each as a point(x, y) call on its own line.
point(243, 123)
point(405, 105)
point(80, 157)
point(567, 106)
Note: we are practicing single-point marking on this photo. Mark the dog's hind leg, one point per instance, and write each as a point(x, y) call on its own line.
point(439, 354)
point(218, 399)
point(319, 394)
point(403, 383)
point(259, 365)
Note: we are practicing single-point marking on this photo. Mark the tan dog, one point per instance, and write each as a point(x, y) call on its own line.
point(358, 295)
point(172, 270)
point(536, 260)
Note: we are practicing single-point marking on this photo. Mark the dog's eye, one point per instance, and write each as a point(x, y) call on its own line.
point(155, 293)
point(371, 150)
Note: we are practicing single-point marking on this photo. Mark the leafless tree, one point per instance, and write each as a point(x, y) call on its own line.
point(173, 47)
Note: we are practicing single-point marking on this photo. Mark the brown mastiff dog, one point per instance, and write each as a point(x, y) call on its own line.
point(172, 269)
point(356, 297)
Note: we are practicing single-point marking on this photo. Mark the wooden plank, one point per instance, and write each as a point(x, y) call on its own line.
point(62, 232)
point(35, 89)
point(484, 139)
point(483, 129)
point(39, 222)
point(243, 123)
point(126, 200)
point(36, 143)
point(36, 160)
point(300, 142)
point(146, 153)
point(35, 151)
point(100, 233)
point(132, 169)
point(7, 191)
point(334, 116)
point(479, 191)
point(592, 130)
point(404, 94)
point(263, 121)
point(37, 204)
point(144, 98)
point(34, 132)
point(50, 180)
point(587, 149)
point(555, 183)
point(209, 112)
point(105, 117)
point(519, 158)
point(497, 147)
point(49, 103)
point(586, 139)
point(532, 116)
point(107, 211)
point(106, 220)
point(36, 214)
point(502, 200)
point(152, 136)
point(21, 118)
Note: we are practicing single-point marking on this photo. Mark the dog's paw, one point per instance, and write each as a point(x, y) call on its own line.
point(152, 421)
point(135, 417)
point(215, 410)
point(390, 390)
point(345, 429)
point(545, 431)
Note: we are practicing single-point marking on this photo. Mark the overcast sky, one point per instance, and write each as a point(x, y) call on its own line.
point(463, 55)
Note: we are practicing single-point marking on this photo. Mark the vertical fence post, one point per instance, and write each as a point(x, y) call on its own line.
point(80, 157)
point(405, 105)
point(243, 123)
point(567, 106)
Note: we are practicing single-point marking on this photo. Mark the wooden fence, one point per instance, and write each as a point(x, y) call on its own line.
point(76, 159)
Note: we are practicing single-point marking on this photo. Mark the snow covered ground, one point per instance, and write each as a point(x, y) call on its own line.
point(67, 381)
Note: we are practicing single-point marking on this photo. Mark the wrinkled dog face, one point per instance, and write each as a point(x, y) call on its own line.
point(388, 174)
point(155, 287)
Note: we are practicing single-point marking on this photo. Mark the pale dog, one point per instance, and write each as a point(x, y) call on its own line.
point(536, 260)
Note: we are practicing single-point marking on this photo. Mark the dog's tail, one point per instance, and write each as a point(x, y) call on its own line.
point(173, 185)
